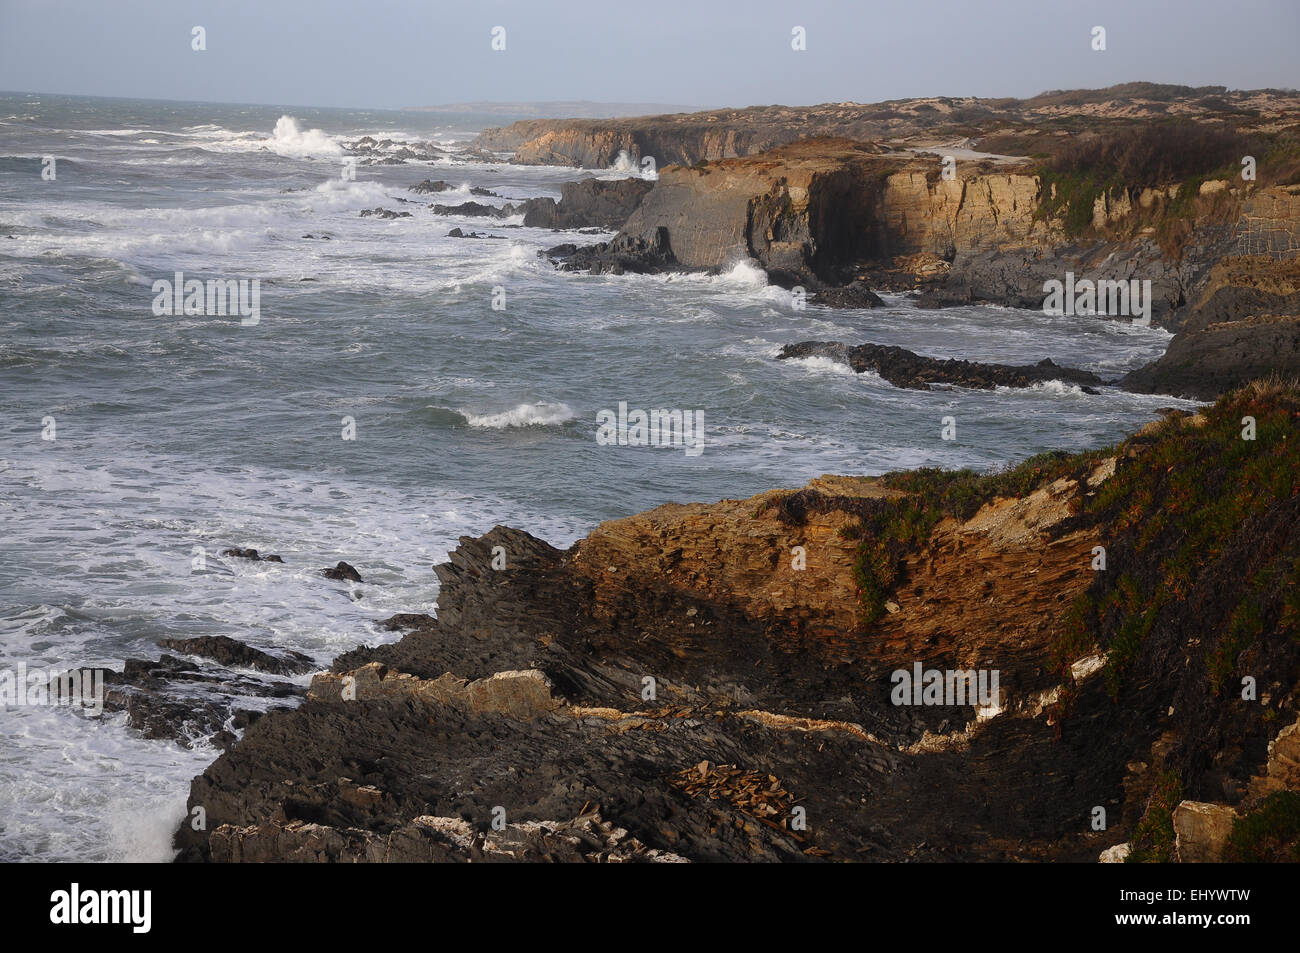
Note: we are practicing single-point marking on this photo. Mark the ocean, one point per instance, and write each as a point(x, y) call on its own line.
point(177, 436)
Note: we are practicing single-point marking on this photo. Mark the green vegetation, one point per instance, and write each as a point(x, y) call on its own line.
point(1195, 495)
point(1268, 834)
point(1129, 159)
point(889, 533)
point(1193, 508)
point(1153, 837)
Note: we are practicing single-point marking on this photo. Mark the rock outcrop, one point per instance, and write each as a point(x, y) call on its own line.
point(1244, 325)
point(589, 203)
point(693, 673)
point(903, 368)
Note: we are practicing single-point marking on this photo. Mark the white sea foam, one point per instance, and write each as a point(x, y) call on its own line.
point(540, 414)
point(289, 139)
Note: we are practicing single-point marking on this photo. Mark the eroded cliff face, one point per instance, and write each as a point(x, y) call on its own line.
point(676, 683)
point(923, 213)
point(798, 209)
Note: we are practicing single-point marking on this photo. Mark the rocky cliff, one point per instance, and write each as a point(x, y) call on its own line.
point(995, 125)
point(718, 681)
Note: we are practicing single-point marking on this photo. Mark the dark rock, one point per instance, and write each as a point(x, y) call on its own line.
point(626, 253)
point(431, 186)
point(179, 701)
point(854, 295)
point(1203, 363)
point(457, 233)
point(484, 193)
point(588, 203)
point(233, 653)
point(251, 554)
point(383, 213)
point(407, 620)
point(903, 368)
point(342, 572)
point(476, 209)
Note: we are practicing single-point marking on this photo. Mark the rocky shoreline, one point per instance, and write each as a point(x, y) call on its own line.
point(716, 681)
point(677, 683)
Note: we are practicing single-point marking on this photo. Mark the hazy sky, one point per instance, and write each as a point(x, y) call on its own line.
point(387, 53)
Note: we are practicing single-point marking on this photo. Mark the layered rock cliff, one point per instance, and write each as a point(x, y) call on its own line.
point(717, 681)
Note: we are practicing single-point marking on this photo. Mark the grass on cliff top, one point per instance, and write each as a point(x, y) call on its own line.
point(1132, 158)
point(1193, 497)
point(1178, 498)
point(891, 532)
point(1268, 834)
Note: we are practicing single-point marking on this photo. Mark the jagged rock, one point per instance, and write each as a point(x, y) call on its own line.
point(342, 572)
point(231, 652)
point(855, 295)
point(426, 839)
point(407, 620)
point(762, 668)
point(423, 188)
point(520, 695)
point(903, 368)
point(383, 213)
point(175, 700)
point(624, 254)
point(475, 209)
point(588, 203)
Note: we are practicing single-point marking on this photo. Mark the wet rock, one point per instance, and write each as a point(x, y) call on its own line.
point(903, 368)
point(427, 186)
point(407, 620)
point(183, 702)
point(473, 209)
point(251, 554)
point(236, 654)
point(342, 572)
point(383, 213)
point(624, 254)
point(854, 295)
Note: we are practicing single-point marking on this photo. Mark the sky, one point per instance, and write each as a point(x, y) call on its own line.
point(703, 53)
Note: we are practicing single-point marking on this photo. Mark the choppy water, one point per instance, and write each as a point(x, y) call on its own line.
point(179, 432)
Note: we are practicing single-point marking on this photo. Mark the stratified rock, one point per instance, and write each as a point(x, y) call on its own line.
point(903, 368)
point(231, 652)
